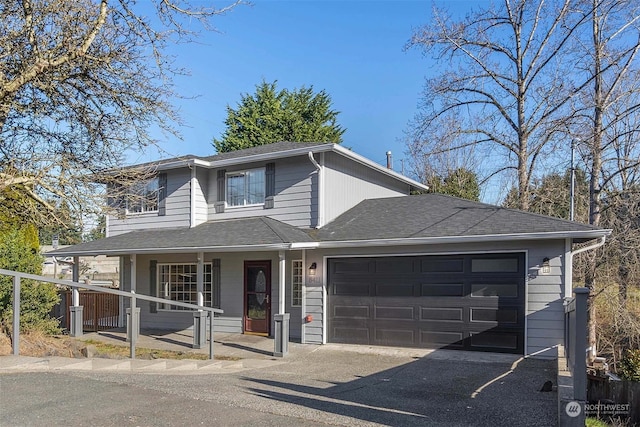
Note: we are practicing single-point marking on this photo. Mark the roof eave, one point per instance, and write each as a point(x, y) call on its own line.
point(590, 234)
point(176, 249)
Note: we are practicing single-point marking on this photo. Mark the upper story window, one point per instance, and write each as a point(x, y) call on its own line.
point(143, 197)
point(245, 187)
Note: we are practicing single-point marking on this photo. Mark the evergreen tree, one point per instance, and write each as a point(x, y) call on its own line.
point(271, 115)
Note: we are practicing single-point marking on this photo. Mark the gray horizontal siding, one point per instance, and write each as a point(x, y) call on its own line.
point(347, 183)
point(293, 194)
point(177, 208)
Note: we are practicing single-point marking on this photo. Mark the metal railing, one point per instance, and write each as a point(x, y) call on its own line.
point(133, 327)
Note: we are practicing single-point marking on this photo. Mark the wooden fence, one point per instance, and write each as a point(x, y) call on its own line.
point(101, 311)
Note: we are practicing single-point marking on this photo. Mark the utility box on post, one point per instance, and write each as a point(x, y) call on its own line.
point(282, 335)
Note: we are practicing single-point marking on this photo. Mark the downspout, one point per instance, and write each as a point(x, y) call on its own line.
point(320, 170)
point(592, 349)
point(192, 194)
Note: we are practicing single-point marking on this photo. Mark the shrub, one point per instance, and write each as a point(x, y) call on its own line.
point(19, 251)
point(629, 367)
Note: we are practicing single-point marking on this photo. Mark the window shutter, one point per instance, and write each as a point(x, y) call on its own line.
point(270, 185)
point(116, 198)
point(215, 283)
point(219, 205)
point(153, 267)
point(162, 194)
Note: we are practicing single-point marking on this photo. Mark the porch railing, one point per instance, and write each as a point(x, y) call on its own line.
point(132, 320)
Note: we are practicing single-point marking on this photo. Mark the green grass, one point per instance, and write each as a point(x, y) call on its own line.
point(114, 351)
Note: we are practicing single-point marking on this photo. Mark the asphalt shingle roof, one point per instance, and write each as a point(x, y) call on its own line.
point(436, 215)
point(223, 233)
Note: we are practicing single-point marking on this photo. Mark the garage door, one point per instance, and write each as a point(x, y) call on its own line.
point(467, 302)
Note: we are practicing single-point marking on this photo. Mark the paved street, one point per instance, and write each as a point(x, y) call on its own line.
point(331, 385)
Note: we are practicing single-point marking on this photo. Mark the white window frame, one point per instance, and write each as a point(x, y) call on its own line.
point(297, 278)
point(245, 174)
point(143, 198)
point(164, 288)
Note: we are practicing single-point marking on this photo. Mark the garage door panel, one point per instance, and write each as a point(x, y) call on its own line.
point(351, 311)
point(394, 313)
point(442, 290)
point(351, 288)
point(442, 265)
point(394, 289)
point(441, 314)
point(400, 337)
point(495, 315)
point(350, 335)
point(424, 306)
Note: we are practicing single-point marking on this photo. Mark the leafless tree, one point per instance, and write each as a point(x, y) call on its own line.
point(81, 83)
point(501, 76)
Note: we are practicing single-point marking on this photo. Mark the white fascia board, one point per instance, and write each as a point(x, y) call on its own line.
point(178, 249)
point(302, 151)
point(365, 161)
point(464, 239)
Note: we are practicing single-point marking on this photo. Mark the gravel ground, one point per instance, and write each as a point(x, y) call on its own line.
point(326, 386)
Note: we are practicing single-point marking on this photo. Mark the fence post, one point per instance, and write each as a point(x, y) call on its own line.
point(16, 316)
point(211, 335)
point(580, 348)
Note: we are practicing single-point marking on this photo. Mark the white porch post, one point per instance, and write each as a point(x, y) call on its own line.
point(76, 309)
point(303, 308)
point(281, 341)
point(281, 281)
point(200, 316)
point(200, 278)
point(133, 259)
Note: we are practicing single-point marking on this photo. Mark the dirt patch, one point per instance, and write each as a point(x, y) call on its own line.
point(40, 345)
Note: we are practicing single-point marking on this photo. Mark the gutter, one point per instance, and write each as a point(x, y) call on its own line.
point(320, 170)
point(450, 239)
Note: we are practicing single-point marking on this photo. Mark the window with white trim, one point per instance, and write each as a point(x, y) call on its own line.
point(245, 187)
point(179, 282)
point(296, 283)
point(143, 197)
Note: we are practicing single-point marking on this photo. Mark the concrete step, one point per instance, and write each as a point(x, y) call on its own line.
point(53, 363)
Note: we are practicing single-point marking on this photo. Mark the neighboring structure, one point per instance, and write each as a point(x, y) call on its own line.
point(339, 242)
point(98, 270)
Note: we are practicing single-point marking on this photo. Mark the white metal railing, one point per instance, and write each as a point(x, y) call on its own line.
point(17, 276)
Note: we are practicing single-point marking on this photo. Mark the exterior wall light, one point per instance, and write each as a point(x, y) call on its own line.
point(546, 268)
point(312, 269)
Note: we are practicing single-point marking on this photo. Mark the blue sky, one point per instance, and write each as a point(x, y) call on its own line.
point(354, 50)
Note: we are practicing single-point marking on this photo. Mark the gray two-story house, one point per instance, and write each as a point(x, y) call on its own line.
point(349, 248)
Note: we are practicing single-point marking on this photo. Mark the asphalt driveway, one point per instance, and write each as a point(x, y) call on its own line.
point(332, 385)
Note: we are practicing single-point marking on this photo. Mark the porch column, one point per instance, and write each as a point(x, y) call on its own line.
point(281, 281)
point(75, 310)
point(281, 341)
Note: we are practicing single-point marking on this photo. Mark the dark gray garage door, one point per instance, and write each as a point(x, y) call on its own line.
point(467, 302)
